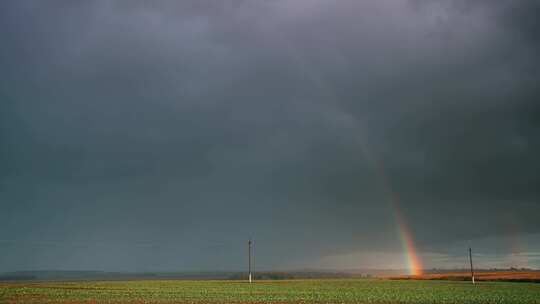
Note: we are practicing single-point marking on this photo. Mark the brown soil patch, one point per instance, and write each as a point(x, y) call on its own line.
point(518, 276)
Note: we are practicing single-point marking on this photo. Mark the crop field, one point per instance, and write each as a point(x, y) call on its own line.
point(294, 291)
point(517, 276)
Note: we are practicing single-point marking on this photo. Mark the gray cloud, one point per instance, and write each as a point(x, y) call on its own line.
point(187, 124)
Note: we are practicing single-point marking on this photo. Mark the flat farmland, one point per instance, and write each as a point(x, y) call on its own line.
point(509, 276)
point(293, 291)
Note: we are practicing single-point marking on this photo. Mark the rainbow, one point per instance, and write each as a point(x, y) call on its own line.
point(407, 241)
point(412, 260)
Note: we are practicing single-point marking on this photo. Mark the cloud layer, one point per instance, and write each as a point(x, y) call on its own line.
point(176, 130)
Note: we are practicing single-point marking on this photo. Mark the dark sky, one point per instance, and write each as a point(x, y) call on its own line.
point(161, 135)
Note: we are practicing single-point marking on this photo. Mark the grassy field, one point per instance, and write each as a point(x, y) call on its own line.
point(297, 291)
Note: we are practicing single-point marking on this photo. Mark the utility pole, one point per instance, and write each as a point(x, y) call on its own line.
point(250, 244)
point(472, 269)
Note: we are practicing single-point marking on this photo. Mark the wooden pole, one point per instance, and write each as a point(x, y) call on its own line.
point(472, 269)
point(249, 260)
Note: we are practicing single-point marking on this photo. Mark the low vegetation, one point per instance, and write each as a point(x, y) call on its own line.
point(284, 291)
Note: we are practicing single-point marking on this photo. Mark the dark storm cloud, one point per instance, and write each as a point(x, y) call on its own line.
point(179, 125)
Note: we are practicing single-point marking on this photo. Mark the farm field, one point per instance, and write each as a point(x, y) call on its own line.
point(294, 291)
point(517, 276)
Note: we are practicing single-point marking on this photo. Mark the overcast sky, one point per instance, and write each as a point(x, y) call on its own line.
point(161, 135)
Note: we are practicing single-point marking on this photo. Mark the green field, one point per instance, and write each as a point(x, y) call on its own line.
point(296, 291)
